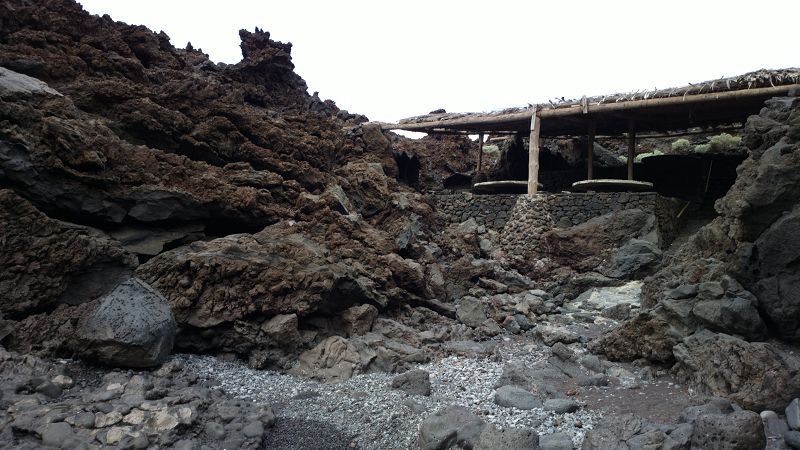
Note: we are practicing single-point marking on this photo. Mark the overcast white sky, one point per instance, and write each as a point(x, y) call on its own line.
point(391, 60)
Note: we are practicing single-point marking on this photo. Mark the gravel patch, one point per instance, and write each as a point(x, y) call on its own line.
point(366, 410)
point(292, 434)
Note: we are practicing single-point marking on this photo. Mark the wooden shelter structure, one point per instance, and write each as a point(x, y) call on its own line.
point(717, 105)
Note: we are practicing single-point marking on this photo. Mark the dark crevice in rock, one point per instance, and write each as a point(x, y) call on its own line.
point(408, 168)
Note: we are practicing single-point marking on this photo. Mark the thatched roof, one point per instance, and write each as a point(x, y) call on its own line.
point(696, 105)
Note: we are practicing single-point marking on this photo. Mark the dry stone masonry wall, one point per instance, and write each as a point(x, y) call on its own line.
point(532, 216)
point(528, 216)
point(492, 211)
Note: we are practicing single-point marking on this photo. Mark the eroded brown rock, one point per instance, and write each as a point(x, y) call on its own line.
point(587, 246)
point(645, 336)
point(275, 271)
point(757, 376)
point(46, 262)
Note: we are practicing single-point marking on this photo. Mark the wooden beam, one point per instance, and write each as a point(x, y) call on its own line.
point(480, 153)
point(631, 147)
point(464, 133)
point(590, 149)
point(708, 177)
point(715, 130)
point(533, 153)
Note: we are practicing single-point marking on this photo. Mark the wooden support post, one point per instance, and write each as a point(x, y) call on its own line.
point(631, 147)
point(533, 154)
point(480, 153)
point(590, 150)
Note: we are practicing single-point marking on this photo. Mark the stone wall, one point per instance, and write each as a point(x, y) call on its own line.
point(492, 211)
point(532, 216)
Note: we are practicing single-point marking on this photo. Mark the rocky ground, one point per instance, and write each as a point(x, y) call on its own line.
point(541, 385)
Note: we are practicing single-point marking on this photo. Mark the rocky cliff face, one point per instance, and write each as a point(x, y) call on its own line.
point(139, 121)
point(171, 158)
point(735, 283)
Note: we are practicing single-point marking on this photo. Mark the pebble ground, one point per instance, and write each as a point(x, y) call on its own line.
point(366, 413)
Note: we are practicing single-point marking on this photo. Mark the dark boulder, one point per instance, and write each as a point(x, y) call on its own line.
point(740, 430)
point(132, 326)
point(755, 375)
point(415, 382)
point(774, 258)
point(453, 425)
point(633, 258)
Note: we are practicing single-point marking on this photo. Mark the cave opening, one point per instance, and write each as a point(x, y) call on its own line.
point(407, 168)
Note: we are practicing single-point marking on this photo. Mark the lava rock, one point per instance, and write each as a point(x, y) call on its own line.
point(617, 312)
point(634, 257)
point(359, 319)
point(452, 425)
point(717, 405)
point(562, 351)
point(415, 382)
point(47, 262)
point(132, 326)
point(282, 329)
point(793, 414)
point(333, 360)
point(740, 430)
point(470, 312)
point(507, 439)
point(57, 434)
point(552, 334)
point(516, 397)
point(561, 405)
point(778, 288)
point(792, 438)
point(731, 315)
point(555, 441)
point(625, 431)
point(683, 291)
point(752, 374)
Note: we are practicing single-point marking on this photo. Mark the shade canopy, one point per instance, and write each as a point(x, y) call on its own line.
point(715, 103)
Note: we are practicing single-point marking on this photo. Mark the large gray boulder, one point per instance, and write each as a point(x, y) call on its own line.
point(741, 430)
point(561, 405)
point(776, 253)
point(507, 439)
point(633, 258)
point(542, 379)
point(716, 405)
point(453, 425)
point(793, 414)
point(333, 360)
point(629, 432)
point(132, 326)
point(516, 397)
point(755, 375)
point(556, 441)
point(736, 315)
point(13, 83)
point(414, 382)
point(470, 312)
